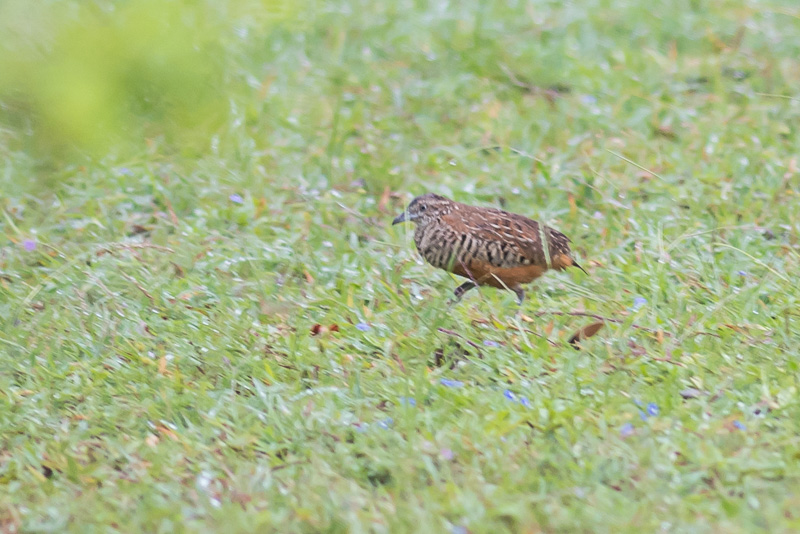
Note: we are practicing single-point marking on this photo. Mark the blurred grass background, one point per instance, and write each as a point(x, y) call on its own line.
point(102, 76)
point(207, 321)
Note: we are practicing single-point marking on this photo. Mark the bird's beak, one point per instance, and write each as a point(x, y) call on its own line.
point(400, 218)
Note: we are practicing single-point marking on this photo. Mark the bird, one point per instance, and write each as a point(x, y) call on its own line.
point(488, 246)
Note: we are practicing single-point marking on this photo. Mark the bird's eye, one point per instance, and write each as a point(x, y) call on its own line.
point(423, 208)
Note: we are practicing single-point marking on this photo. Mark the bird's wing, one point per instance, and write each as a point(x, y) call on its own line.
point(510, 240)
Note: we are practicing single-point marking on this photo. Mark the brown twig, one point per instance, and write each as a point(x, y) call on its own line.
point(600, 318)
point(701, 333)
point(399, 362)
point(133, 281)
point(669, 360)
point(132, 246)
point(529, 331)
point(100, 284)
point(288, 464)
point(456, 334)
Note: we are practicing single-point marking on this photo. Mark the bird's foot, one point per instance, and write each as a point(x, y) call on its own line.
point(463, 288)
point(520, 295)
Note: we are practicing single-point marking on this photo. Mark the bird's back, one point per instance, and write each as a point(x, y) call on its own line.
point(490, 243)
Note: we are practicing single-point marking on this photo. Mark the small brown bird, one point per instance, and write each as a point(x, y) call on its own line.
point(488, 246)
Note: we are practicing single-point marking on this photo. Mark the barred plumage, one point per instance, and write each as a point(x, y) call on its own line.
point(486, 245)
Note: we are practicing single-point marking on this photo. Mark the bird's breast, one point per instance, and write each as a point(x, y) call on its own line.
point(435, 244)
point(446, 247)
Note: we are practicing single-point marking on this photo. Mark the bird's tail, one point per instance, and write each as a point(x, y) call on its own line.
point(576, 264)
point(564, 260)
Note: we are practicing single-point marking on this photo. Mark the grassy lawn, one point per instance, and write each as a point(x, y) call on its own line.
point(208, 323)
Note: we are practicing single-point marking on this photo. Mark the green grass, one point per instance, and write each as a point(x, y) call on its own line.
point(158, 370)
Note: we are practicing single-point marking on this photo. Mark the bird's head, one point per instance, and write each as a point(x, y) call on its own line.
point(424, 209)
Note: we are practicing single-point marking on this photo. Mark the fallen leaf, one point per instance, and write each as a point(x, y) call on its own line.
point(321, 329)
point(137, 229)
point(585, 333)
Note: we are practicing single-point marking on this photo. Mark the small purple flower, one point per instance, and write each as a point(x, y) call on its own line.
point(638, 403)
point(514, 398)
point(638, 302)
point(29, 245)
point(451, 383)
point(588, 99)
point(363, 327)
point(125, 171)
point(741, 273)
point(236, 198)
point(386, 423)
point(643, 415)
point(408, 401)
point(446, 454)
point(739, 425)
point(490, 343)
point(626, 430)
point(652, 409)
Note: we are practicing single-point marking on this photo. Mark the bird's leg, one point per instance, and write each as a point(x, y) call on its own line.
point(520, 295)
point(463, 288)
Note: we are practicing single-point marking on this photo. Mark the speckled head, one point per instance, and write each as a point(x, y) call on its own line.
point(425, 208)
